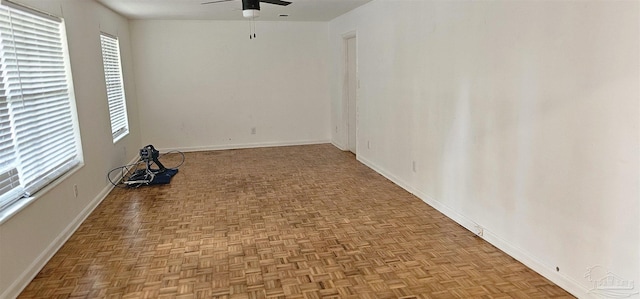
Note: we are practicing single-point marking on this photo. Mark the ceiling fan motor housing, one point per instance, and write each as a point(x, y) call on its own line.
point(250, 8)
point(250, 4)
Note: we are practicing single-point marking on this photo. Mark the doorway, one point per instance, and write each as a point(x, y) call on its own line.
point(351, 91)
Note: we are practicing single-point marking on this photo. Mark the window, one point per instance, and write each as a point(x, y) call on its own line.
point(39, 140)
point(115, 86)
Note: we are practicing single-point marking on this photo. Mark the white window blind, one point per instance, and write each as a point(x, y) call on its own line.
point(115, 86)
point(38, 136)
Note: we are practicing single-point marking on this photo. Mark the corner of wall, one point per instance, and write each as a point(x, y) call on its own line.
point(39, 262)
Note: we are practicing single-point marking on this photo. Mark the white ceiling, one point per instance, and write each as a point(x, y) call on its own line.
point(298, 10)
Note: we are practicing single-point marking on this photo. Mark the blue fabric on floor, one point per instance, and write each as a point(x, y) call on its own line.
point(163, 177)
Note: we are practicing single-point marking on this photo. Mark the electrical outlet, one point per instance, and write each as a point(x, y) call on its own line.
point(479, 230)
point(253, 131)
point(368, 144)
point(414, 166)
point(336, 129)
point(75, 191)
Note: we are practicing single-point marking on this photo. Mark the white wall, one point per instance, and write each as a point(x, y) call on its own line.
point(31, 237)
point(205, 84)
point(522, 117)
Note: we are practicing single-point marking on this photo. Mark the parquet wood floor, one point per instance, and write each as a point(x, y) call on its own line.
point(285, 222)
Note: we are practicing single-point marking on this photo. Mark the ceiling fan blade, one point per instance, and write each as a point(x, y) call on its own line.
point(218, 1)
point(276, 2)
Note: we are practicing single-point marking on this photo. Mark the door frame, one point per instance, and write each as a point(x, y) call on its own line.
point(345, 89)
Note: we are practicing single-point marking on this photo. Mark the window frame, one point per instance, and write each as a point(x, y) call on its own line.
point(115, 90)
point(45, 178)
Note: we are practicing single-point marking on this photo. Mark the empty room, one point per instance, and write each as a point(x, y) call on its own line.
point(319, 149)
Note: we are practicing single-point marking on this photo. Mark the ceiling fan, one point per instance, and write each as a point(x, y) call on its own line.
point(251, 8)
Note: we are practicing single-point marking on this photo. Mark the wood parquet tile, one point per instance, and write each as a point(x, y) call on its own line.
point(286, 222)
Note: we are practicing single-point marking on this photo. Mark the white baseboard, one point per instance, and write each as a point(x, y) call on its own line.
point(19, 284)
point(244, 145)
point(529, 260)
point(34, 268)
point(339, 145)
point(544, 269)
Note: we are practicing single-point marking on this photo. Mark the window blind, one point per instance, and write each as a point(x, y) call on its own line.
point(115, 86)
point(38, 137)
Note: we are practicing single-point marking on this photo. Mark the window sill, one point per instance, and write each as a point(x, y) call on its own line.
point(120, 137)
point(21, 204)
